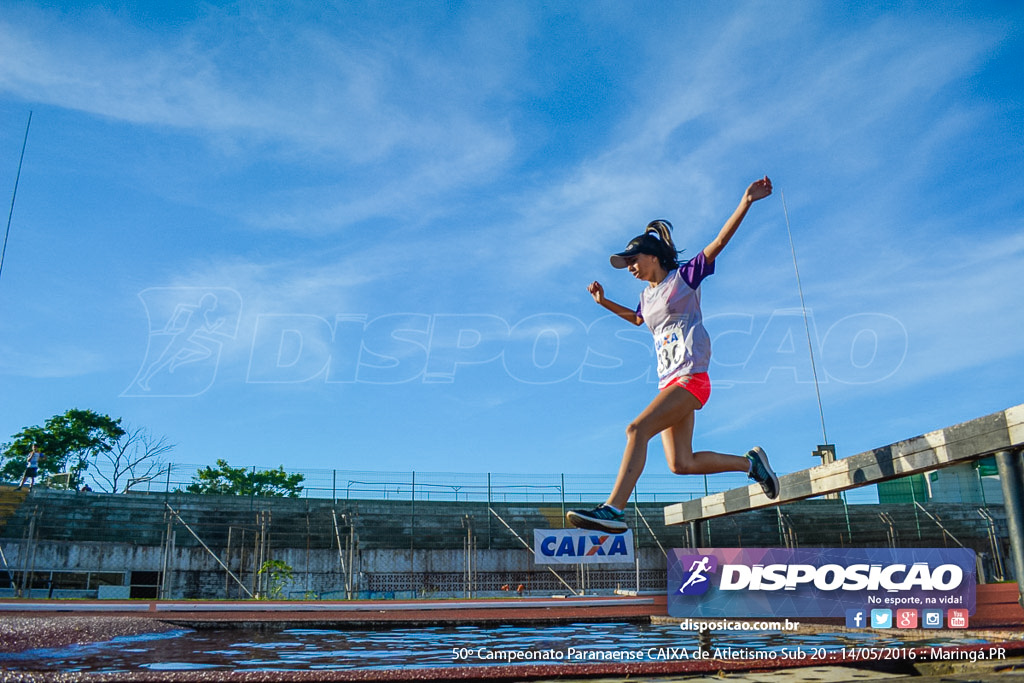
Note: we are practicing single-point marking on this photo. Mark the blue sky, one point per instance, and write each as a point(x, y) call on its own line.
point(362, 234)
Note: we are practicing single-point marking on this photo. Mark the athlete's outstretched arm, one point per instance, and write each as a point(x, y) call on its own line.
point(627, 314)
point(759, 189)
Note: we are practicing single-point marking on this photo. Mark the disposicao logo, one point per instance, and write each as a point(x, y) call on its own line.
point(817, 582)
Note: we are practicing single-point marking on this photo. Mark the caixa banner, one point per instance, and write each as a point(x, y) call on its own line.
point(816, 582)
point(576, 546)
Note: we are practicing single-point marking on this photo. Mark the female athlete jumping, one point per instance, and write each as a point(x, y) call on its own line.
point(670, 306)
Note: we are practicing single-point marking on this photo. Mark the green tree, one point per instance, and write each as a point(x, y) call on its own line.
point(244, 481)
point(68, 442)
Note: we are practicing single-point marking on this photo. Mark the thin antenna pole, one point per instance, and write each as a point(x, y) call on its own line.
point(14, 195)
point(807, 326)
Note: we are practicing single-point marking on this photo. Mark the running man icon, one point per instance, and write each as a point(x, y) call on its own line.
point(188, 329)
point(698, 576)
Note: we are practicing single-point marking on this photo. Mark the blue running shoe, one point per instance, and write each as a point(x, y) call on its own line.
point(601, 518)
point(761, 472)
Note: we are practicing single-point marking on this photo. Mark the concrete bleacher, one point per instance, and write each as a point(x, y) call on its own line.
point(75, 532)
point(142, 519)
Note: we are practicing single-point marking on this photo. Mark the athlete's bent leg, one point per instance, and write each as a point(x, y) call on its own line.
point(678, 443)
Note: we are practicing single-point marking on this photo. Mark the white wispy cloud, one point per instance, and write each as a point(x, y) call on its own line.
point(485, 159)
point(850, 104)
point(364, 105)
point(51, 360)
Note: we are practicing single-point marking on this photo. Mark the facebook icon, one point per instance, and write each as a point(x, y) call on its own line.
point(856, 618)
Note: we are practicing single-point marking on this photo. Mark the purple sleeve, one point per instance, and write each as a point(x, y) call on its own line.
point(696, 269)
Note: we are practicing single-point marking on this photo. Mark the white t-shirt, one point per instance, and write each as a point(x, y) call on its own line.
point(671, 310)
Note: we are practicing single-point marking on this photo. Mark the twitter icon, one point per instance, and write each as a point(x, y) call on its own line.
point(881, 618)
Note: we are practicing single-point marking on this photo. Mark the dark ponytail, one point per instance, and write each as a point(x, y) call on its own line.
point(667, 254)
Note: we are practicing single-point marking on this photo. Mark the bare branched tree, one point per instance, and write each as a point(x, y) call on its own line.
point(135, 458)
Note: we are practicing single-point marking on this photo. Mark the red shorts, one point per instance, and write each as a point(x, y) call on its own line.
point(699, 385)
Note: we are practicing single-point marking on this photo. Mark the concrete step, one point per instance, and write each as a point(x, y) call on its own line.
point(11, 498)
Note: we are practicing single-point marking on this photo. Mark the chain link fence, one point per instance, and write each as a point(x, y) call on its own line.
point(332, 484)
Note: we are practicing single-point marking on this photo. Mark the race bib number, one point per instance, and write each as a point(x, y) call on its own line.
point(670, 352)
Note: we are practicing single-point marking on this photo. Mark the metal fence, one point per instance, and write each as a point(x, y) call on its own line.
point(337, 484)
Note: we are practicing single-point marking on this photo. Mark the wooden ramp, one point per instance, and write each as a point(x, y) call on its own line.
point(1002, 431)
